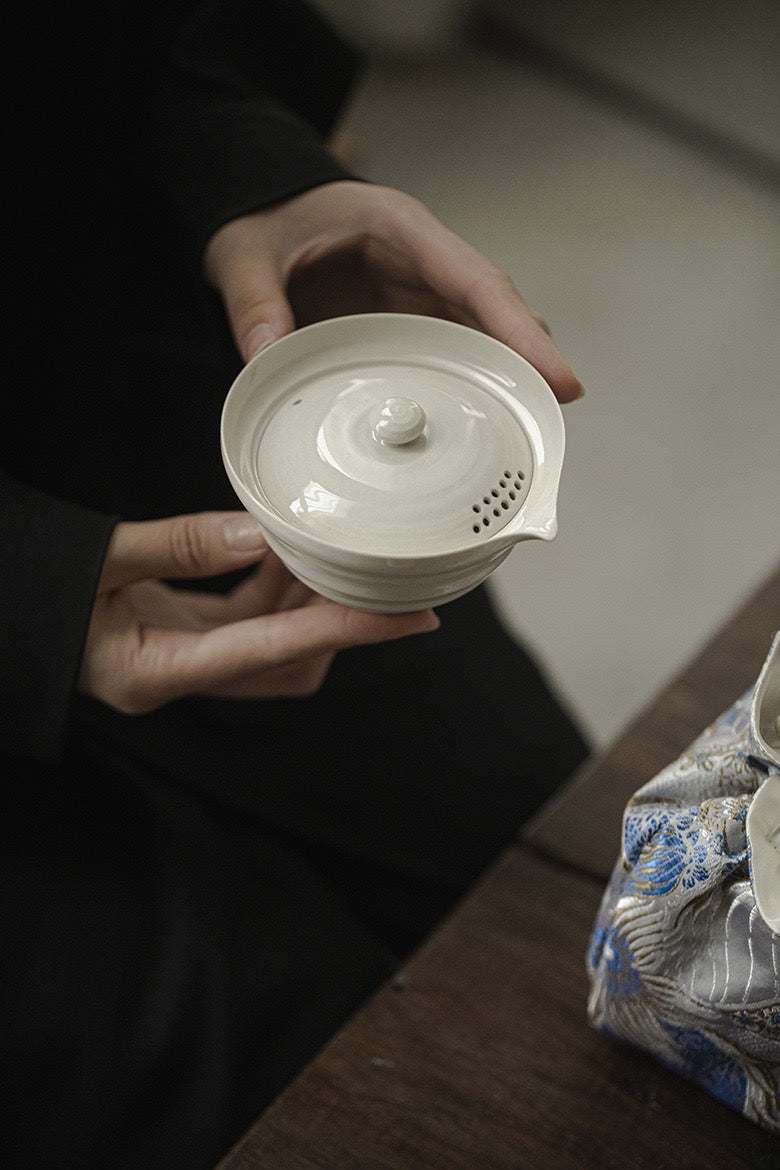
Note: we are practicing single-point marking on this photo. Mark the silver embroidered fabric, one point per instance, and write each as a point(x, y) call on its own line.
point(681, 963)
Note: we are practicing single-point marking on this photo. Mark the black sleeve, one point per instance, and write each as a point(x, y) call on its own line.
point(239, 115)
point(53, 552)
point(134, 119)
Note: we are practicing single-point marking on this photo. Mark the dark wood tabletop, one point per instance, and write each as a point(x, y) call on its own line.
point(478, 1054)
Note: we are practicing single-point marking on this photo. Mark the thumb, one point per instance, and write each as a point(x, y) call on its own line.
point(258, 313)
point(201, 544)
point(242, 265)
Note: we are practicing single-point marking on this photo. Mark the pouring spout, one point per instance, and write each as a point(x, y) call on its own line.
point(545, 531)
point(527, 528)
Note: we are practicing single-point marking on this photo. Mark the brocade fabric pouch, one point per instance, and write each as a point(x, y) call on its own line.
point(684, 958)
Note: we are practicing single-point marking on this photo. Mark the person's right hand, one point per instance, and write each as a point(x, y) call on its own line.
point(351, 247)
point(149, 642)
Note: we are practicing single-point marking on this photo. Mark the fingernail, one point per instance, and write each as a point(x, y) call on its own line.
point(258, 338)
point(243, 534)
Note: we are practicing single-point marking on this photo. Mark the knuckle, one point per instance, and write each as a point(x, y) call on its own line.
point(386, 209)
point(124, 696)
point(143, 685)
point(496, 279)
point(490, 286)
point(127, 703)
point(191, 546)
point(134, 695)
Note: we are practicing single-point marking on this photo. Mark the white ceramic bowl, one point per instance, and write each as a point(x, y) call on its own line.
point(763, 815)
point(393, 460)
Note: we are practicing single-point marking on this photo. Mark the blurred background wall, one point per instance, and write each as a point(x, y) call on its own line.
point(621, 161)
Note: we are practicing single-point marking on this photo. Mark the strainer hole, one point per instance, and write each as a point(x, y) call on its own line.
point(513, 495)
point(476, 508)
point(476, 528)
point(486, 521)
point(504, 504)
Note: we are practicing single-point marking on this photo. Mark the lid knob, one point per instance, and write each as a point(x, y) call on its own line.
point(399, 421)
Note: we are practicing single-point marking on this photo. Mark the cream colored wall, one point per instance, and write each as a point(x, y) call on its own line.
point(657, 266)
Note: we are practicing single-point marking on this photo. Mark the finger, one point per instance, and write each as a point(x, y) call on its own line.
point(270, 588)
point(297, 680)
point(201, 544)
point(243, 266)
point(502, 313)
point(208, 663)
point(463, 277)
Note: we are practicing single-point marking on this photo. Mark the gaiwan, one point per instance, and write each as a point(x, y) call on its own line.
point(393, 460)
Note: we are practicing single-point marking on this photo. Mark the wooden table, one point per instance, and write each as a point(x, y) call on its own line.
point(478, 1055)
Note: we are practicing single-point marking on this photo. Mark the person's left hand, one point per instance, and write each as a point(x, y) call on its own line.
point(149, 642)
point(352, 247)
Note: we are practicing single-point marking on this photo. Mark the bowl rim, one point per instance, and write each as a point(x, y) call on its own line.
point(536, 518)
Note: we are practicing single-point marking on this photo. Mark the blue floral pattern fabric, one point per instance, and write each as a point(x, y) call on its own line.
point(681, 963)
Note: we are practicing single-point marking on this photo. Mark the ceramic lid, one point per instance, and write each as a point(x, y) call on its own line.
point(389, 435)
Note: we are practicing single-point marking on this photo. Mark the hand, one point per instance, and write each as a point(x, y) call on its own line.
point(149, 642)
point(350, 247)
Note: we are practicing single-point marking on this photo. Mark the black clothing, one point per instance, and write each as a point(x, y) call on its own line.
point(193, 900)
point(134, 132)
